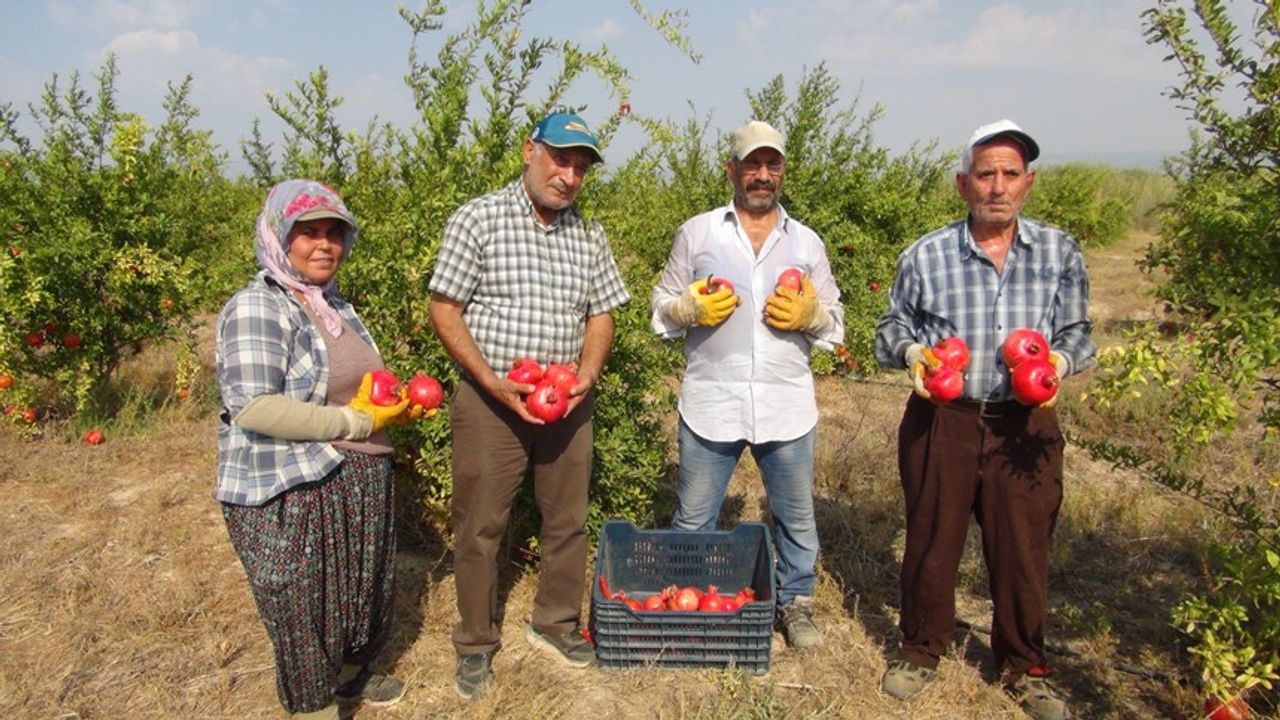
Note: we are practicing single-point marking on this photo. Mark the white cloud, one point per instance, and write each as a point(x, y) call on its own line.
point(125, 13)
point(609, 29)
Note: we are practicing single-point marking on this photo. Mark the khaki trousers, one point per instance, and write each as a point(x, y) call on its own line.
point(1003, 467)
point(493, 450)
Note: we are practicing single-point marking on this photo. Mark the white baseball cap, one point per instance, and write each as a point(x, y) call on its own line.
point(1000, 128)
point(755, 135)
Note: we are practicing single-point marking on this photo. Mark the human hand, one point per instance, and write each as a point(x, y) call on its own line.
point(383, 415)
point(1060, 366)
point(791, 310)
point(918, 358)
point(709, 309)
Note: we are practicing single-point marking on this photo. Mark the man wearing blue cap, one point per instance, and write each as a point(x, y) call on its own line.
point(984, 455)
point(520, 274)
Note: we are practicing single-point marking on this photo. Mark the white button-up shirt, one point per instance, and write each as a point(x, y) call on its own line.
point(744, 379)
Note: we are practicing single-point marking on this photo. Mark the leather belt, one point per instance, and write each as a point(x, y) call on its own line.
point(989, 408)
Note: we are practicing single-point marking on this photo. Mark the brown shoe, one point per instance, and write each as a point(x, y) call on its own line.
point(1037, 696)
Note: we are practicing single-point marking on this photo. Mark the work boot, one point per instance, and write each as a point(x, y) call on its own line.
point(570, 648)
point(473, 675)
point(798, 625)
point(373, 688)
point(904, 680)
point(1038, 697)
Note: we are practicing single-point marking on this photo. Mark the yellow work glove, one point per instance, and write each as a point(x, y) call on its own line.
point(918, 360)
point(708, 310)
point(791, 310)
point(1060, 366)
point(383, 415)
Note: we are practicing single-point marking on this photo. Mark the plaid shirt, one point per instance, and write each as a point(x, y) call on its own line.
point(947, 287)
point(266, 344)
point(528, 288)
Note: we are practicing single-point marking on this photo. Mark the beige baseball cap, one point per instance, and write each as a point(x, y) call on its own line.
point(755, 135)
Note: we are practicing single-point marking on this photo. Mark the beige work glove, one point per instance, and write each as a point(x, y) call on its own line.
point(708, 310)
point(288, 419)
point(918, 359)
point(1060, 366)
point(383, 415)
point(791, 310)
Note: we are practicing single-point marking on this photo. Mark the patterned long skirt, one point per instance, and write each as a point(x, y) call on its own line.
point(320, 561)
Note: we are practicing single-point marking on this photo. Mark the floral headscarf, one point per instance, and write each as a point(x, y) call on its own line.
point(286, 204)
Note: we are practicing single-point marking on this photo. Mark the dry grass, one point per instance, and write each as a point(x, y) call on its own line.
point(120, 596)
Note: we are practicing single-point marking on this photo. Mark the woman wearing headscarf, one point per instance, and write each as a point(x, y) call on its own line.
point(304, 462)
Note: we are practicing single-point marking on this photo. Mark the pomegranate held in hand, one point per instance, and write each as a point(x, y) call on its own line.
point(1024, 344)
point(425, 391)
point(525, 372)
point(384, 390)
point(952, 352)
point(714, 284)
point(547, 402)
point(943, 383)
point(1034, 382)
point(791, 279)
point(562, 376)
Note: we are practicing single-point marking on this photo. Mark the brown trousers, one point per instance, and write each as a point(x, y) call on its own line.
point(1003, 467)
point(493, 449)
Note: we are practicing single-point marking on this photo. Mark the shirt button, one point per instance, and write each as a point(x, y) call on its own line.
point(999, 326)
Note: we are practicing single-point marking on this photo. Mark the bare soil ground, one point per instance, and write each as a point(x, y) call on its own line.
point(120, 596)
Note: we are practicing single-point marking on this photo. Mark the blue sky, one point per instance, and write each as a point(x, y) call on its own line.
point(1077, 74)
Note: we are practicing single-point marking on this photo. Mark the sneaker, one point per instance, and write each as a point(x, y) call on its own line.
point(571, 648)
point(1038, 697)
point(904, 680)
point(373, 688)
point(473, 675)
point(798, 626)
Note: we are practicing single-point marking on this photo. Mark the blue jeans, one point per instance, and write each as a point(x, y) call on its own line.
point(707, 466)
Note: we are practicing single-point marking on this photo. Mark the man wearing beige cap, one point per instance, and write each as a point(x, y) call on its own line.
point(747, 383)
point(985, 455)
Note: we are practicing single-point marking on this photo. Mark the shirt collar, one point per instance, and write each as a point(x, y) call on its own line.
point(968, 247)
point(731, 215)
point(521, 194)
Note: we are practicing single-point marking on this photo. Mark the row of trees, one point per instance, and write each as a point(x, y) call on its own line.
point(122, 234)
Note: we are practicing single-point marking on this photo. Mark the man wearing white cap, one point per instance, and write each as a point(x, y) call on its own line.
point(984, 455)
point(747, 339)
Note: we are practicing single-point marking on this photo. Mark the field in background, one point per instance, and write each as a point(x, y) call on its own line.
point(121, 597)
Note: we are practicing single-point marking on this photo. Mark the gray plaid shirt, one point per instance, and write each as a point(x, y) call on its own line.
point(528, 288)
point(266, 344)
point(947, 287)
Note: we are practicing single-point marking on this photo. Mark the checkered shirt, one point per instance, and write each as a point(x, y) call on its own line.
point(528, 288)
point(947, 287)
point(266, 344)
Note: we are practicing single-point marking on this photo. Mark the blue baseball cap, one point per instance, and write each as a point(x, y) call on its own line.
point(566, 130)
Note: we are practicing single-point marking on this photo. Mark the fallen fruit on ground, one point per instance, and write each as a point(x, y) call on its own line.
point(93, 437)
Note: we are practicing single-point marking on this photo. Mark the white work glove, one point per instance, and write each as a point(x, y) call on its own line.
point(1061, 366)
point(917, 358)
